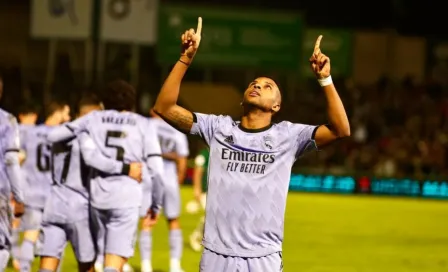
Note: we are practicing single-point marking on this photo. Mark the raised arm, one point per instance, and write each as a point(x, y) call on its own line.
point(166, 103)
point(339, 126)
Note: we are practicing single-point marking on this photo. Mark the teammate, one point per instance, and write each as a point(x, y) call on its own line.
point(10, 179)
point(116, 199)
point(66, 213)
point(27, 118)
point(250, 163)
point(28, 114)
point(200, 189)
point(37, 167)
point(174, 153)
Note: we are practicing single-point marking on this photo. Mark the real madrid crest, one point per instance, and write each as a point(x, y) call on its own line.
point(268, 143)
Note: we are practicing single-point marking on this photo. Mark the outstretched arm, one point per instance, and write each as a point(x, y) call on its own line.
point(166, 103)
point(69, 130)
point(339, 126)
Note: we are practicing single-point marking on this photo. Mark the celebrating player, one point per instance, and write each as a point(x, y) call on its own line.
point(250, 162)
point(10, 179)
point(66, 213)
point(27, 119)
point(200, 178)
point(174, 153)
point(37, 168)
point(119, 133)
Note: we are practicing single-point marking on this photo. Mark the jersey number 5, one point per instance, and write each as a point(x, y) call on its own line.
point(116, 134)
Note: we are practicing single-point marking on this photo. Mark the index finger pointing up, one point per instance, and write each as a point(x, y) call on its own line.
point(317, 45)
point(199, 28)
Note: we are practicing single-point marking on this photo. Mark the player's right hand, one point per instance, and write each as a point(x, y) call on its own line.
point(135, 171)
point(19, 209)
point(191, 40)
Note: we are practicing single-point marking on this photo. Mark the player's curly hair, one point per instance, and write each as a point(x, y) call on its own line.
point(119, 95)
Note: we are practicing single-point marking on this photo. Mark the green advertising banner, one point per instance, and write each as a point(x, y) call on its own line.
point(336, 44)
point(233, 37)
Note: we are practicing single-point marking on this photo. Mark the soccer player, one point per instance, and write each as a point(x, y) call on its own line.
point(174, 153)
point(11, 179)
point(200, 178)
point(38, 179)
point(66, 213)
point(28, 115)
point(116, 199)
point(27, 118)
point(250, 163)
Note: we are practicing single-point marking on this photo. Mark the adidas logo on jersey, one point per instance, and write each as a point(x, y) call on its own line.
point(229, 139)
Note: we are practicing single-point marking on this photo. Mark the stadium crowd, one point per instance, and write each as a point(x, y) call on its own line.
point(399, 129)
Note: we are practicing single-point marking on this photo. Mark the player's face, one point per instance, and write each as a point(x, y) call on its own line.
point(65, 114)
point(83, 110)
point(262, 93)
point(28, 118)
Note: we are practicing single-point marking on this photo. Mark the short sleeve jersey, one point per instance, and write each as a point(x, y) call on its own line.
point(123, 136)
point(248, 180)
point(171, 141)
point(9, 141)
point(37, 165)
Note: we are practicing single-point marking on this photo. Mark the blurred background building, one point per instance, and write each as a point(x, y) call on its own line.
point(389, 60)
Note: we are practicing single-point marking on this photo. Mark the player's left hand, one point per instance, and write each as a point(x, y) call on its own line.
point(320, 63)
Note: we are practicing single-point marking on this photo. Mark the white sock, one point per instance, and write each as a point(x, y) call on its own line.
point(98, 267)
point(174, 264)
point(146, 266)
point(127, 267)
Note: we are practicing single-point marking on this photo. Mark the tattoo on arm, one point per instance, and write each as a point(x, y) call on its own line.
point(179, 118)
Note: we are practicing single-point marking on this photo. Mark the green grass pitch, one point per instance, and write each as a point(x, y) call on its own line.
point(337, 233)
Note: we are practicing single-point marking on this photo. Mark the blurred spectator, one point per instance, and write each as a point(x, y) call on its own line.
point(398, 130)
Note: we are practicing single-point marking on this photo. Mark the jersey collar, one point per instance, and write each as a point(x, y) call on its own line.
point(255, 130)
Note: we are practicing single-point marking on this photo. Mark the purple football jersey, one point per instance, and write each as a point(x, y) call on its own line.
point(69, 197)
point(11, 179)
point(171, 140)
point(248, 180)
point(126, 137)
point(37, 166)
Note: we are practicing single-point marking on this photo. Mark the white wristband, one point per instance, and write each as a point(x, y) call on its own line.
point(325, 81)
